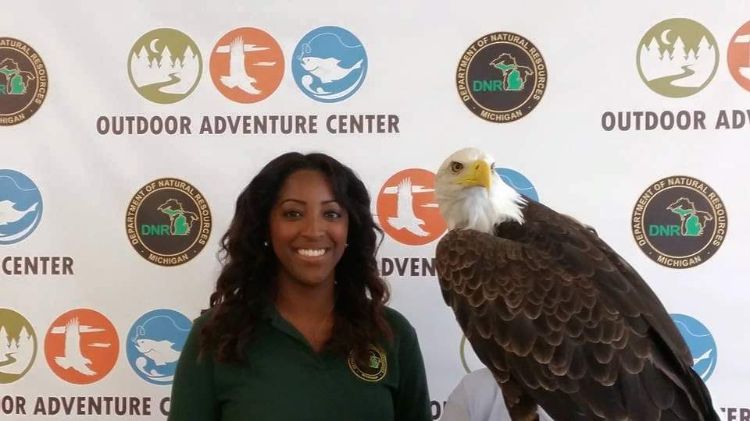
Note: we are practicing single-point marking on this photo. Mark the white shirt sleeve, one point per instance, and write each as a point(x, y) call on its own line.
point(477, 397)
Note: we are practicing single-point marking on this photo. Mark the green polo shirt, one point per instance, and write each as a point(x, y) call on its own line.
point(285, 380)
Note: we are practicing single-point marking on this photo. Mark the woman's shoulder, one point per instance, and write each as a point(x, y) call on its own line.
point(398, 322)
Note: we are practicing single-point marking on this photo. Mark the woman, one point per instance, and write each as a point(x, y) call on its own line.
point(298, 328)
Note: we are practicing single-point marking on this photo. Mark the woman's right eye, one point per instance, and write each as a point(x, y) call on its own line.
point(292, 214)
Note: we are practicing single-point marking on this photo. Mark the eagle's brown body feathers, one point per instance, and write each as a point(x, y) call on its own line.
point(564, 322)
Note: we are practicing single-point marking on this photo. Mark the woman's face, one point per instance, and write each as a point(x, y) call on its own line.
point(308, 229)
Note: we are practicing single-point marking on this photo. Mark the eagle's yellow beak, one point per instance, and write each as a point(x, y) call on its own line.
point(478, 173)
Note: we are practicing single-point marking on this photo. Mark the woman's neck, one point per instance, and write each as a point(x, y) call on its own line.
point(309, 310)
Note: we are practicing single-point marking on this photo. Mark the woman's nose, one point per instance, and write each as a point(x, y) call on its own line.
point(313, 226)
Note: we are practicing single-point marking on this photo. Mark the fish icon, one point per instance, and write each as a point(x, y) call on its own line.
point(160, 352)
point(9, 214)
point(327, 69)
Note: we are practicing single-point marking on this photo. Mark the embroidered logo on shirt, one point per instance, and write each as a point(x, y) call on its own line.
point(376, 367)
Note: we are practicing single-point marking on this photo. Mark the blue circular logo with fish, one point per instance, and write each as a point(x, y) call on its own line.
point(20, 206)
point(520, 184)
point(329, 64)
point(701, 343)
point(154, 344)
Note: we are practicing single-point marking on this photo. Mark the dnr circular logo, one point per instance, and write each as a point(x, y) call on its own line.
point(23, 81)
point(168, 222)
point(501, 77)
point(679, 222)
point(376, 367)
point(677, 57)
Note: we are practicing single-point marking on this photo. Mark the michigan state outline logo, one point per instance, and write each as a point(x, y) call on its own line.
point(20, 206)
point(168, 221)
point(23, 81)
point(164, 66)
point(501, 77)
point(329, 64)
point(677, 57)
point(679, 222)
point(374, 369)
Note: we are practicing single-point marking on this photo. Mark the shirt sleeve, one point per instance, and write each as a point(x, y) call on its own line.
point(456, 405)
point(193, 396)
point(412, 401)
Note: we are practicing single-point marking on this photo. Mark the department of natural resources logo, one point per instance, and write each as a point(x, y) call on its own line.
point(329, 64)
point(679, 222)
point(164, 65)
point(168, 221)
point(372, 370)
point(18, 345)
point(81, 346)
point(154, 344)
point(738, 56)
point(20, 206)
point(701, 343)
point(677, 57)
point(247, 65)
point(501, 77)
point(407, 209)
point(23, 81)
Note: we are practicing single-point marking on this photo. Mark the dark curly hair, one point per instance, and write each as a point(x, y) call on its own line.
point(247, 280)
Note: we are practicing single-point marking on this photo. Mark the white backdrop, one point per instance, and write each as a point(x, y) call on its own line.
point(86, 179)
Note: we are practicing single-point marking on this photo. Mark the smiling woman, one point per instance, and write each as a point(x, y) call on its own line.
point(298, 328)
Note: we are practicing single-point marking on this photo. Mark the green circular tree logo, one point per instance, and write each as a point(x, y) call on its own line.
point(18, 346)
point(164, 65)
point(677, 57)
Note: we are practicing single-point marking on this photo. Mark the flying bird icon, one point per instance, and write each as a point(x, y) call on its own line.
point(405, 217)
point(73, 357)
point(238, 76)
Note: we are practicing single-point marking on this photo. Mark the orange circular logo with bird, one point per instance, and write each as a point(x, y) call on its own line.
point(407, 209)
point(81, 346)
point(738, 56)
point(247, 65)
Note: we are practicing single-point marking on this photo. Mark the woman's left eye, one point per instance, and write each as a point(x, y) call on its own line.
point(332, 214)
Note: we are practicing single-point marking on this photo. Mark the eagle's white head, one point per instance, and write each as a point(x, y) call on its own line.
point(471, 195)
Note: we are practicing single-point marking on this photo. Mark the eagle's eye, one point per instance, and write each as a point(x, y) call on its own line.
point(456, 166)
point(492, 166)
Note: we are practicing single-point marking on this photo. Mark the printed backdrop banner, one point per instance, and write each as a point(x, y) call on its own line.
point(128, 129)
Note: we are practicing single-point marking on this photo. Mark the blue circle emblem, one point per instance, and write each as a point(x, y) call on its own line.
point(519, 182)
point(701, 343)
point(329, 64)
point(154, 344)
point(20, 206)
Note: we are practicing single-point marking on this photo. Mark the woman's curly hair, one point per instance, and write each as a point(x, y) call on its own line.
point(247, 280)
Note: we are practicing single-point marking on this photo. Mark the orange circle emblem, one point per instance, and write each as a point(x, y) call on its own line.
point(247, 65)
point(81, 346)
point(407, 209)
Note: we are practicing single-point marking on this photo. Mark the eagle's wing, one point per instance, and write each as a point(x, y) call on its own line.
point(571, 322)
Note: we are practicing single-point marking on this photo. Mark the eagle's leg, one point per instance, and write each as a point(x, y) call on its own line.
point(521, 406)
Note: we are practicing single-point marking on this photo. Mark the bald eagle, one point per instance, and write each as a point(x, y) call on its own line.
point(560, 319)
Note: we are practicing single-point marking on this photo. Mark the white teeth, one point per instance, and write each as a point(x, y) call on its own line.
point(311, 252)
